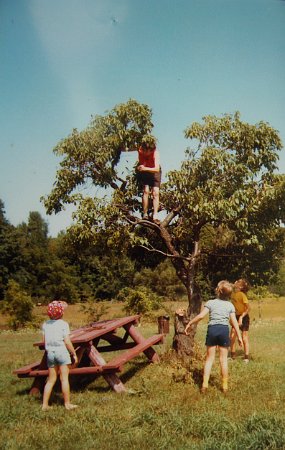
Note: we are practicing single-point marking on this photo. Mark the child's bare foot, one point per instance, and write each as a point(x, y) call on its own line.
point(46, 408)
point(70, 406)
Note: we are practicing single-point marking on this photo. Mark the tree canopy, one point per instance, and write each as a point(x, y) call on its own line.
point(222, 209)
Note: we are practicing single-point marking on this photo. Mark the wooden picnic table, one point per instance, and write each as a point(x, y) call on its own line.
point(86, 342)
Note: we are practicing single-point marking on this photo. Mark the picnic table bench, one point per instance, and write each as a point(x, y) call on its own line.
point(86, 342)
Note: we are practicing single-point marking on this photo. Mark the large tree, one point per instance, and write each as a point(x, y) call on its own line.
point(225, 202)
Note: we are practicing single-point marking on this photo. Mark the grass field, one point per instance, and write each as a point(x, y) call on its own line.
point(164, 409)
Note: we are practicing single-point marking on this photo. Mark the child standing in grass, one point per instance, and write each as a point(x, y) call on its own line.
point(58, 345)
point(221, 311)
point(240, 302)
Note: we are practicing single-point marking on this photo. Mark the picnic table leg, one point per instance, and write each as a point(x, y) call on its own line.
point(39, 382)
point(139, 339)
point(112, 379)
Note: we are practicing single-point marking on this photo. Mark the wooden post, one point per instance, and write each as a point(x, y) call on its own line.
point(39, 382)
point(112, 379)
point(182, 343)
point(139, 339)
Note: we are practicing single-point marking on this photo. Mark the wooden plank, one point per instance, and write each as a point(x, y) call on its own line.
point(139, 339)
point(96, 330)
point(113, 325)
point(115, 347)
point(111, 378)
point(119, 361)
point(26, 369)
point(75, 371)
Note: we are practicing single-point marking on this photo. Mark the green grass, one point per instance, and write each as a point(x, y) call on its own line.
point(165, 409)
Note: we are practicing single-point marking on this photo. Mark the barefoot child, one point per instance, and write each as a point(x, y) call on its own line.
point(58, 347)
point(221, 311)
point(149, 175)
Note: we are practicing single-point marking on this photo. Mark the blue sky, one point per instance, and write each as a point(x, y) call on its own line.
point(63, 61)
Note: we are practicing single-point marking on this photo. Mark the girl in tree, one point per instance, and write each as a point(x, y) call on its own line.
point(221, 311)
point(149, 175)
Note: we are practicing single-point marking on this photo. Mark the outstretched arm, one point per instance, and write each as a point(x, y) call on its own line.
point(196, 319)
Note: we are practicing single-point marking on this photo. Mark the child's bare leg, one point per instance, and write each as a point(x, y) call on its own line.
point(52, 376)
point(211, 351)
point(145, 200)
point(245, 344)
point(64, 373)
point(233, 342)
point(224, 367)
point(155, 200)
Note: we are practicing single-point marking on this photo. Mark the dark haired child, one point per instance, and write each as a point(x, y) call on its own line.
point(240, 302)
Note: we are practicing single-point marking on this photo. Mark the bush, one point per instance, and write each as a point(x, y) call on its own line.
point(260, 293)
point(139, 301)
point(18, 305)
point(94, 310)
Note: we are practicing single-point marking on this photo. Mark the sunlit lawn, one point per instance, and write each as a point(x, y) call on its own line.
point(165, 409)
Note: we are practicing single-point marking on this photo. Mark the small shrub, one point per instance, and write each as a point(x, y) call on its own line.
point(139, 301)
point(94, 310)
point(18, 305)
point(260, 293)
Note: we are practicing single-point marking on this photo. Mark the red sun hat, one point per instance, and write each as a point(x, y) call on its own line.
point(55, 309)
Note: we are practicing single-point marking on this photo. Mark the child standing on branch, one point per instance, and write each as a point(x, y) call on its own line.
point(58, 347)
point(149, 175)
point(240, 302)
point(221, 311)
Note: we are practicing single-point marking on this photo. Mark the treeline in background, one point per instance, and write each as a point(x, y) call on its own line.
point(36, 268)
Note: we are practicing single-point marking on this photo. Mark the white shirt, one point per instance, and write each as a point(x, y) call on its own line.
point(55, 331)
point(219, 311)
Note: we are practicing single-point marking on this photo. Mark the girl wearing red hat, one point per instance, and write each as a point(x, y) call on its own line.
point(58, 347)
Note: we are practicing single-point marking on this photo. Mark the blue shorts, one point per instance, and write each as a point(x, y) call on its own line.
point(58, 357)
point(218, 335)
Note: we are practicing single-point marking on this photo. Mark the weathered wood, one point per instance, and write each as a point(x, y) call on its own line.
point(97, 330)
point(139, 339)
point(90, 361)
point(120, 360)
point(114, 347)
point(23, 371)
point(112, 379)
point(182, 343)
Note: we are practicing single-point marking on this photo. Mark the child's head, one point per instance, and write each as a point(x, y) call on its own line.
point(148, 147)
point(242, 285)
point(56, 309)
point(224, 290)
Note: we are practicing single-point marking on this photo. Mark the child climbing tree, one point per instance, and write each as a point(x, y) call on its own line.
point(223, 202)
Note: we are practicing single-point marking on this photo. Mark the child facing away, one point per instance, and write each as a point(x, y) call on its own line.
point(58, 347)
point(221, 311)
point(240, 302)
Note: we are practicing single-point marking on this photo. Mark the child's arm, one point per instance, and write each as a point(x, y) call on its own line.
point(156, 168)
point(70, 348)
point(234, 324)
point(246, 311)
point(199, 317)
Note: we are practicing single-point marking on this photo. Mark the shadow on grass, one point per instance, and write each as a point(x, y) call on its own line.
point(78, 385)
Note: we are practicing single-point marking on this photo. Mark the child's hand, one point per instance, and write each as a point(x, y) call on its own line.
point(186, 329)
point(74, 359)
point(240, 342)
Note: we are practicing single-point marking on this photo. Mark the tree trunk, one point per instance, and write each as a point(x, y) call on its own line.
point(182, 343)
